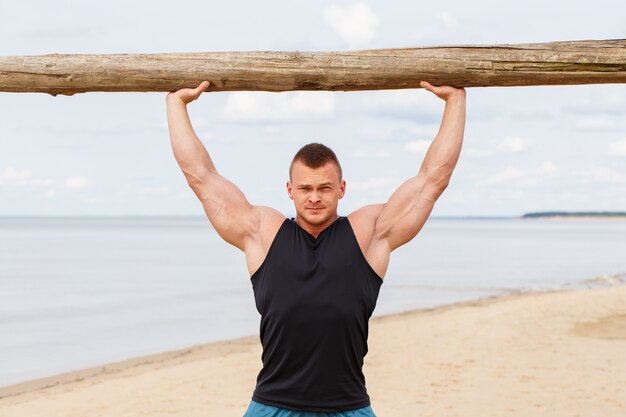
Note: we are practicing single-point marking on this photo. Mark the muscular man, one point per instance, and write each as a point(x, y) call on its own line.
point(316, 278)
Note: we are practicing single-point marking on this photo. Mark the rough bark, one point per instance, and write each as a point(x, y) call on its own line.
point(554, 63)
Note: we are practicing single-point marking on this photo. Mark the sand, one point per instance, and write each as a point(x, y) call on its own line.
point(533, 354)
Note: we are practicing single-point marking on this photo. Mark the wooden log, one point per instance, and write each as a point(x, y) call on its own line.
point(554, 63)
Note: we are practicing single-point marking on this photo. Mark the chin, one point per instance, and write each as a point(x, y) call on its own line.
point(317, 219)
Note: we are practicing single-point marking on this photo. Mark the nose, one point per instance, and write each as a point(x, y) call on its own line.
point(314, 198)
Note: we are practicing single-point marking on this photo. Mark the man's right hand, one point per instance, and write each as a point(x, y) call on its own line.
point(187, 95)
point(443, 92)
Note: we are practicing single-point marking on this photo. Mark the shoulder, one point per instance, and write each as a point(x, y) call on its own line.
point(268, 214)
point(268, 221)
point(363, 222)
point(365, 215)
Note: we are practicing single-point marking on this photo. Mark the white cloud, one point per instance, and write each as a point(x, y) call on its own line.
point(10, 174)
point(424, 130)
point(454, 195)
point(370, 184)
point(247, 106)
point(596, 122)
point(512, 144)
point(510, 173)
point(183, 196)
point(23, 178)
point(200, 123)
point(601, 175)
point(377, 132)
point(548, 167)
point(576, 197)
point(509, 144)
point(417, 146)
point(516, 195)
point(155, 190)
point(271, 129)
point(602, 103)
point(447, 20)
point(78, 181)
point(38, 182)
point(522, 177)
point(355, 24)
point(618, 147)
point(372, 154)
point(403, 103)
point(443, 28)
point(476, 153)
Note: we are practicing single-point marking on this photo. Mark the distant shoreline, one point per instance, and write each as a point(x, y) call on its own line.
point(585, 215)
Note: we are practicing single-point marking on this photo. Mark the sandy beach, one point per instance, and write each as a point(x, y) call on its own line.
point(530, 354)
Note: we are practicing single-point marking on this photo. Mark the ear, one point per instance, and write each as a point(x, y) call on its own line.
point(289, 188)
point(342, 188)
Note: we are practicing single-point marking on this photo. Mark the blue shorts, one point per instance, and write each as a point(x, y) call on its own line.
point(256, 409)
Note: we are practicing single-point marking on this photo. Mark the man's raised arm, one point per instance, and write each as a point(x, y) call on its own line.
point(402, 217)
point(224, 204)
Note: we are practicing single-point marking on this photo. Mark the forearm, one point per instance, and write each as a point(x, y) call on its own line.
point(443, 153)
point(189, 151)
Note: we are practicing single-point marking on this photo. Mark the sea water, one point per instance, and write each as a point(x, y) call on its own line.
point(80, 292)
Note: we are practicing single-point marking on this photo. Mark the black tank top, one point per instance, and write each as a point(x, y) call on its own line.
point(315, 297)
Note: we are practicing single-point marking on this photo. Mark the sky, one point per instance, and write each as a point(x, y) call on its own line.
point(525, 149)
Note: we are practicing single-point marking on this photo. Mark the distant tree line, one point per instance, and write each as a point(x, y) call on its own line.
point(576, 214)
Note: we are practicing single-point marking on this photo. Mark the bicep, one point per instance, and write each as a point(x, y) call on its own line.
point(225, 205)
point(407, 210)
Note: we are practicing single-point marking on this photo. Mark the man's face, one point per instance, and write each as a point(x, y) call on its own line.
point(316, 192)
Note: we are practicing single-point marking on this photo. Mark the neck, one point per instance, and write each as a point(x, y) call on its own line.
point(315, 229)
